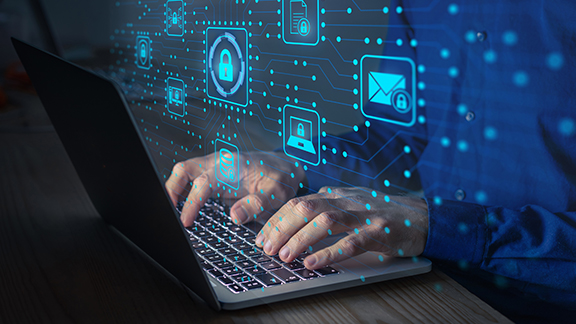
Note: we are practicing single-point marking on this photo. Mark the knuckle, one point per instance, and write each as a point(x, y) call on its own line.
point(351, 246)
point(305, 207)
point(327, 219)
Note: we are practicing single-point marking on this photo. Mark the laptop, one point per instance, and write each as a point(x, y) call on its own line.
point(213, 259)
point(301, 135)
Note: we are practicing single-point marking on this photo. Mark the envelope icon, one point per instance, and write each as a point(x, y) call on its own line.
point(381, 86)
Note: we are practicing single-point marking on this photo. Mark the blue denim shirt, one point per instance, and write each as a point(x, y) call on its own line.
point(494, 148)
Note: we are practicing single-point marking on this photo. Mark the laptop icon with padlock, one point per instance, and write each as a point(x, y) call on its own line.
point(301, 135)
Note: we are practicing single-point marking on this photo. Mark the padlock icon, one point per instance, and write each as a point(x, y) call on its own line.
point(301, 131)
point(226, 69)
point(175, 19)
point(304, 28)
point(143, 51)
point(401, 102)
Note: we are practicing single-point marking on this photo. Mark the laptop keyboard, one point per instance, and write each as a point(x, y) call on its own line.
point(230, 255)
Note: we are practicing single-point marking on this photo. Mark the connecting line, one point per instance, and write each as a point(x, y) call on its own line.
point(264, 127)
point(263, 30)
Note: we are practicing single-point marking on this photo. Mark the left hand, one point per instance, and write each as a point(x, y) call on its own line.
point(397, 226)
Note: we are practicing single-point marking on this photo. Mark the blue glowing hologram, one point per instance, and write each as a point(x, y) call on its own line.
point(391, 92)
point(301, 22)
point(302, 134)
point(143, 52)
point(227, 65)
point(175, 18)
point(176, 96)
point(227, 165)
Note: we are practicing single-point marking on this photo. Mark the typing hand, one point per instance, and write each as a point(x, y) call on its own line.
point(195, 181)
point(397, 228)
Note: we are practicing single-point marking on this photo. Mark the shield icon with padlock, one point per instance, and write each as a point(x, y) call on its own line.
point(226, 67)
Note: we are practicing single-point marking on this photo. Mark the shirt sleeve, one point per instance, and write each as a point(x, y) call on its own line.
point(532, 247)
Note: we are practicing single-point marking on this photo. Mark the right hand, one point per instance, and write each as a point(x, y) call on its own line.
point(268, 175)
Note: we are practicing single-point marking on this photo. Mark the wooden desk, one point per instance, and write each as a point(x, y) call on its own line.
point(60, 263)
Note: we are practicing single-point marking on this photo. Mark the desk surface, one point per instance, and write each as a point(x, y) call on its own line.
point(61, 263)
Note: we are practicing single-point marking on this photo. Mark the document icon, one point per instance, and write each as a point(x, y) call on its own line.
point(298, 11)
point(382, 85)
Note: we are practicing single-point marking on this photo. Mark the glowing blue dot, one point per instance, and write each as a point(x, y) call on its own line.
point(555, 61)
point(414, 43)
point(387, 183)
point(421, 86)
point(329, 232)
point(310, 248)
point(387, 230)
point(349, 10)
point(453, 9)
point(421, 102)
point(445, 141)
point(481, 197)
point(567, 127)
point(470, 36)
point(356, 231)
point(315, 225)
point(407, 174)
point(368, 222)
point(367, 123)
point(338, 39)
point(421, 68)
point(490, 133)
point(374, 194)
point(385, 10)
point(462, 146)
point(381, 258)
point(355, 62)
point(399, 10)
point(437, 201)
point(334, 151)
point(510, 37)
point(387, 199)
point(490, 56)
point(368, 206)
point(400, 252)
point(422, 119)
point(453, 72)
point(345, 154)
point(462, 109)
point(521, 79)
point(407, 223)
point(379, 41)
point(355, 128)
point(407, 149)
point(362, 278)
point(339, 251)
point(399, 42)
point(444, 53)
point(367, 40)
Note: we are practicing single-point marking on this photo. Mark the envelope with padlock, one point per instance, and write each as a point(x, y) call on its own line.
point(381, 87)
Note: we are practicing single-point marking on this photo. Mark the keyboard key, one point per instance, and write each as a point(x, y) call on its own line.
point(255, 270)
point(225, 280)
point(246, 264)
point(213, 257)
point(327, 271)
point(193, 239)
point(243, 246)
point(307, 274)
point(228, 251)
point(219, 245)
point(233, 271)
point(302, 256)
point(261, 259)
point(252, 285)
point(268, 279)
point(243, 278)
point(294, 265)
point(216, 273)
point(224, 235)
point(285, 275)
point(271, 265)
point(210, 239)
point(245, 234)
point(223, 264)
point(206, 265)
point(236, 288)
point(237, 258)
point(251, 240)
point(205, 251)
point(198, 245)
point(233, 240)
point(201, 233)
point(251, 253)
point(236, 228)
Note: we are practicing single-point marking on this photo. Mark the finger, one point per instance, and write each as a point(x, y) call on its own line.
point(178, 185)
point(326, 223)
point(250, 208)
point(291, 218)
point(200, 192)
point(348, 247)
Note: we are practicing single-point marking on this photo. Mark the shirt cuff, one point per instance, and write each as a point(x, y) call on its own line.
point(456, 232)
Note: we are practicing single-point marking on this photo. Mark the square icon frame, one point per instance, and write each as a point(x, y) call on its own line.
point(183, 18)
point(317, 25)
point(244, 47)
point(363, 89)
point(168, 105)
point(147, 39)
point(217, 165)
point(316, 134)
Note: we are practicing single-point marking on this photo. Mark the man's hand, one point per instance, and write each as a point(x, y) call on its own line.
point(393, 225)
point(268, 175)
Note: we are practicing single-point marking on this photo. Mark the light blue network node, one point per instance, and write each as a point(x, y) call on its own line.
point(301, 22)
point(302, 134)
point(388, 89)
point(143, 52)
point(175, 18)
point(226, 65)
point(227, 164)
point(176, 96)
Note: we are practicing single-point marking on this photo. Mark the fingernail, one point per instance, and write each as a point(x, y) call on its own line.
point(267, 246)
point(259, 239)
point(241, 217)
point(311, 261)
point(284, 253)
